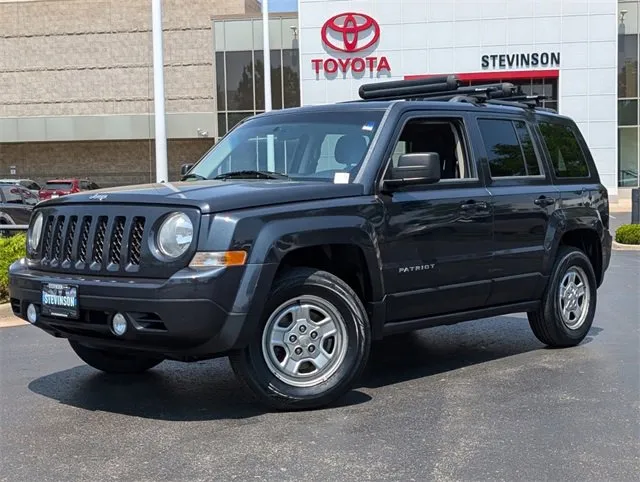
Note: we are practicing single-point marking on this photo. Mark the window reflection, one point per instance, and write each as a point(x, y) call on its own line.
point(239, 67)
point(276, 79)
point(220, 90)
point(628, 157)
point(628, 21)
point(240, 73)
point(291, 78)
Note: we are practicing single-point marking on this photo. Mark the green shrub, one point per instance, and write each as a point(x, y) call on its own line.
point(11, 249)
point(628, 234)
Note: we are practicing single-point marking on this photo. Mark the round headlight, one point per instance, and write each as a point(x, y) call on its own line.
point(175, 235)
point(35, 233)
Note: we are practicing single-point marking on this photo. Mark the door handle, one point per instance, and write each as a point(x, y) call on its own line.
point(544, 201)
point(469, 205)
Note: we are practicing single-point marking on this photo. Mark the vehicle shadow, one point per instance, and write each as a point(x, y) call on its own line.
point(208, 390)
point(442, 349)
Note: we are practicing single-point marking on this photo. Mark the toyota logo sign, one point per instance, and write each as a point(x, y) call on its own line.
point(350, 32)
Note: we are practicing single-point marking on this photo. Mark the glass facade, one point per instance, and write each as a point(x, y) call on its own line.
point(546, 87)
point(239, 68)
point(628, 132)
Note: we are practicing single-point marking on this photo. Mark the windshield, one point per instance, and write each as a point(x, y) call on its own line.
point(58, 186)
point(313, 146)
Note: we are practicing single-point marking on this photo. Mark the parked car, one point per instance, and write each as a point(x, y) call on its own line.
point(29, 184)
point(62, 187)
point(354, 221)
point(16, 205)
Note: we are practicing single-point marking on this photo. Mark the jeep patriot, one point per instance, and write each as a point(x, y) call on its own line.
point(305, 234)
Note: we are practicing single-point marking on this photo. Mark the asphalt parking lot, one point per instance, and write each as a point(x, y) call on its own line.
point(477, 401)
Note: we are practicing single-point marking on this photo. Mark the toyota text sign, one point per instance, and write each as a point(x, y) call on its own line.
point(346, 34)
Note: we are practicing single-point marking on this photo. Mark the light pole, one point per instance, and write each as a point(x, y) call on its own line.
point(267, 55)
point(162, 171)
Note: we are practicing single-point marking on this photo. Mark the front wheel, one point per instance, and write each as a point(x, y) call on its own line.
point(112, 361)
point(313, 342)
point(569, 304)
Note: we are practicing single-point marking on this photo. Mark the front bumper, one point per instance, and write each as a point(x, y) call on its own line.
point(193, 314)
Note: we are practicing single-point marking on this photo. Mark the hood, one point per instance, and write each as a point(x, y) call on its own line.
point(215, 196)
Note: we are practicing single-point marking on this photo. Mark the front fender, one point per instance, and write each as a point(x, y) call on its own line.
point(279, 237)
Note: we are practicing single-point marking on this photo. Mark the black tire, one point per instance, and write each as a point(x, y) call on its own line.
point(112, 361)
point(547, 322)
point(250, 364)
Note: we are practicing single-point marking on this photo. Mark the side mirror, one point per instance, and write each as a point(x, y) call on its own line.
point(184, 169)
point(415, 169)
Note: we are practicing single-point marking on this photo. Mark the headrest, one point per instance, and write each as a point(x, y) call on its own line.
point(350, 149)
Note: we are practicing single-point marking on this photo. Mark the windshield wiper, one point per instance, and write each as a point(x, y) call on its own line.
point(248, 174)
point(197, 177)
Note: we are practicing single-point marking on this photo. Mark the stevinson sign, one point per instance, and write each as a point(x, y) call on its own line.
point(520, 60)
point(353, 34)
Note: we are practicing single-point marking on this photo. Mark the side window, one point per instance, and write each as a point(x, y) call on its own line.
point(566, 154)
point(12, 195)
point(509, 147)
point(444, 137)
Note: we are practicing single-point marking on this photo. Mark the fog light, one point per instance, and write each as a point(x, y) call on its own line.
point(119, 324)
point(32, 314)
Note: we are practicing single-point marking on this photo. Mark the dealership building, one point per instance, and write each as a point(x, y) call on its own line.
point(80, 94)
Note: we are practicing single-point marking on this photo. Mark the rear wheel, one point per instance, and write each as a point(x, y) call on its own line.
point(114, 361)
point(568, 307)
point(312, 344)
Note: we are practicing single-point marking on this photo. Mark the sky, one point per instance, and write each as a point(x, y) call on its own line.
point(283, 5)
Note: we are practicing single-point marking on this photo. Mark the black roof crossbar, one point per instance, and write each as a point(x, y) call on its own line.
point(449, 88)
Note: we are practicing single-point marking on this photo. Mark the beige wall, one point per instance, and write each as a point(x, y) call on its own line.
point(108, 163)
point(65, 58)
point(88, 57)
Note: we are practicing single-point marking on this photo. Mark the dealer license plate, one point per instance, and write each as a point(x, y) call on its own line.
point(60, 300)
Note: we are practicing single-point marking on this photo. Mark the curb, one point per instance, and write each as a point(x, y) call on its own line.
point(7, 318)
point(625, 247)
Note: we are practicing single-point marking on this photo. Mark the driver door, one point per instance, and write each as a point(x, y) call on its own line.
point(436, 239)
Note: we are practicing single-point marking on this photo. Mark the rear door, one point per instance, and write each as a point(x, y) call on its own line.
point(567, 155)
point(436, 240)
point(523, 199)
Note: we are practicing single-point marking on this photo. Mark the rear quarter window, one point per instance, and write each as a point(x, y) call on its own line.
point(567, 157)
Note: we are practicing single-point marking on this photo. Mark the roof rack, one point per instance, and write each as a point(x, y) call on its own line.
point(448, 88)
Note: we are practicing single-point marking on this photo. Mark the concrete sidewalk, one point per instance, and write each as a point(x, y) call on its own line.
point(7, 318)
point(622, 205)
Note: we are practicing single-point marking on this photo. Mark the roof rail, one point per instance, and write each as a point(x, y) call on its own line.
point(449, 88)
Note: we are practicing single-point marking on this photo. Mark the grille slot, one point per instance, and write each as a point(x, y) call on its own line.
point(46, 238)
point(99, 239)
point(84, 238)
point(116, 240)
point(57, 239)
point(69, 239)
point(135, 242)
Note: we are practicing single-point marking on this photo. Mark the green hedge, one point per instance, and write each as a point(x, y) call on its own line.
point(628, 234)
point(11, 249)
